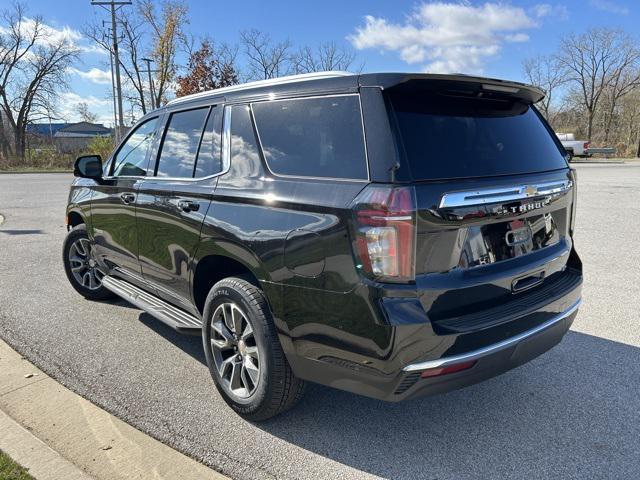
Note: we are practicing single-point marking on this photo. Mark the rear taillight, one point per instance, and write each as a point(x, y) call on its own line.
point(385, 232)
point(585, 146)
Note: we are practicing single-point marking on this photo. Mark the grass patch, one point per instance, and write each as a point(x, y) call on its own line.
point(35, 170)
point(10, 470)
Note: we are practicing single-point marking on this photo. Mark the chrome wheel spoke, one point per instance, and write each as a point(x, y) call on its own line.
point(251, 369)
point(235, 382)
point(236, 318)
point(223, 338)
point(252, 352)
point(225, 366)
point(247, 332)
point(234, 350)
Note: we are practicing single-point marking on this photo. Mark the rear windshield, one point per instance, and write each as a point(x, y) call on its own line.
point(445, 136)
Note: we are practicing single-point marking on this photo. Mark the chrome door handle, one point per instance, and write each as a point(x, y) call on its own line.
point(188, 206)
point(128, 198)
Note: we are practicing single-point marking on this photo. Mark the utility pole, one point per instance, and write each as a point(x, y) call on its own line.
point(113, 6)
point(151, 89)
point(113, 90)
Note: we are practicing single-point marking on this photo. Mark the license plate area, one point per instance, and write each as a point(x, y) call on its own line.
point(499, 241)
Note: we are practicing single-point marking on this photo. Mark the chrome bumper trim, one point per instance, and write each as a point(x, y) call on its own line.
point(496, 347)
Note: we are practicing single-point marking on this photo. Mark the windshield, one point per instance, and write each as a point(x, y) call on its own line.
point(447, 136)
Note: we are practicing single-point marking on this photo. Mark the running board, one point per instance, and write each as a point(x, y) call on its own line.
point(163, 311)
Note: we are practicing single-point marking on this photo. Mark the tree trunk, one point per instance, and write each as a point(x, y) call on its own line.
point(18, 142)
point(589, 125)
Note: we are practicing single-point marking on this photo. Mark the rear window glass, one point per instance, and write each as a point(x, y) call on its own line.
point(453, 137)
point(313, 137)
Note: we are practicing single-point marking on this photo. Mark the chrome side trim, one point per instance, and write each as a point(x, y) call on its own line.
point(163, 311)
point(506, 194)
point(496, 347)
point(226, 138)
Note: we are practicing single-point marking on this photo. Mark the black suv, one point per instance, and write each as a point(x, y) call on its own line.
point(393, 235)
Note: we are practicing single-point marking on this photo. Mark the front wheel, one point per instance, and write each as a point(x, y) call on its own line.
point(243, 353)
point(81, 268)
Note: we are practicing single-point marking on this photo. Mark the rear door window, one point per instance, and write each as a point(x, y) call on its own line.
point(209, 161)
point(313, 137)
point(180, 143)
point(446, 137)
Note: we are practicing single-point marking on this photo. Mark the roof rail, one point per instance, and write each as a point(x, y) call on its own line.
point(261, 83)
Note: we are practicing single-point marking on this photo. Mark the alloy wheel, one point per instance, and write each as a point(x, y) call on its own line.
point(83, 267)
point(235, 351)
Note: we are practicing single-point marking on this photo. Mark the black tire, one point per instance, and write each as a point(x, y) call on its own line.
point(97, 292)
point(569, 156)
point(277, 389)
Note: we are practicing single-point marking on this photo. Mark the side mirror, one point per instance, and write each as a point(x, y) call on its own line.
point(88, 166)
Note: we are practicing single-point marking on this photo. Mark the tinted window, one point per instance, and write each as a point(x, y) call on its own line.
point(453, 137)
point(131, 159)
point(180, 144)
point(244, 146)
point(209, 156)
point(315, 137)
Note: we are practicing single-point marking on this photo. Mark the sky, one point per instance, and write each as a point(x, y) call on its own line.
point(490, 38)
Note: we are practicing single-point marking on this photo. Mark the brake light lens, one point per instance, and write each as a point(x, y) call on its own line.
point(585, 146)
point(439, 371)
point(385, 231)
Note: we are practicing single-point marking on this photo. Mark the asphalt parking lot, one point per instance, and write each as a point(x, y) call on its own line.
point(572, 413)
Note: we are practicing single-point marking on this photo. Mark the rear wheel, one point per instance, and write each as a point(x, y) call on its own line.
point(243, 353)
point(83, 272)
point(569, 155)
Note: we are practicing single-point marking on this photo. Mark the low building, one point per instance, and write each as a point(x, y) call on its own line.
point(76, 136)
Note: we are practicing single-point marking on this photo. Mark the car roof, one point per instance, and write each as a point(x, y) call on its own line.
point(340, 81)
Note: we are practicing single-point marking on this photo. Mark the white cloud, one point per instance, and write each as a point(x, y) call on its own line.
point(609, 6)
point(68, 104)
point(449, 36)
point(517, 37)
point(94, 75)
point(49, 35)
point(546, 10)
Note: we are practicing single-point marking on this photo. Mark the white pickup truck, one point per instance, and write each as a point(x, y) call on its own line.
point(574, 148)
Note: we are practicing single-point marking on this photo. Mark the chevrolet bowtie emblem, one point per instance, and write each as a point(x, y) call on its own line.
point(530, 191)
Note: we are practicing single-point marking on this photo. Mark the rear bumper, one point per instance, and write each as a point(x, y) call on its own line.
point(416, 347)
point(489, 361)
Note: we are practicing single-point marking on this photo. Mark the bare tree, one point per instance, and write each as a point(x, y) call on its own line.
point(167, 35)
point(545, 72)
point(86, 115)
point(327, 56)
point(147, 31)
point(621, 82)
point(32, 70)
point(132, 42)
point(591, 60)
point(266, 58)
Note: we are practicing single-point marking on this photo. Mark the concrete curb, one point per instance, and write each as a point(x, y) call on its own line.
point(51, 427)
point(33, 454)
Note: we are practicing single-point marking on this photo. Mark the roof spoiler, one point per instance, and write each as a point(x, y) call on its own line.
point(456, 84)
